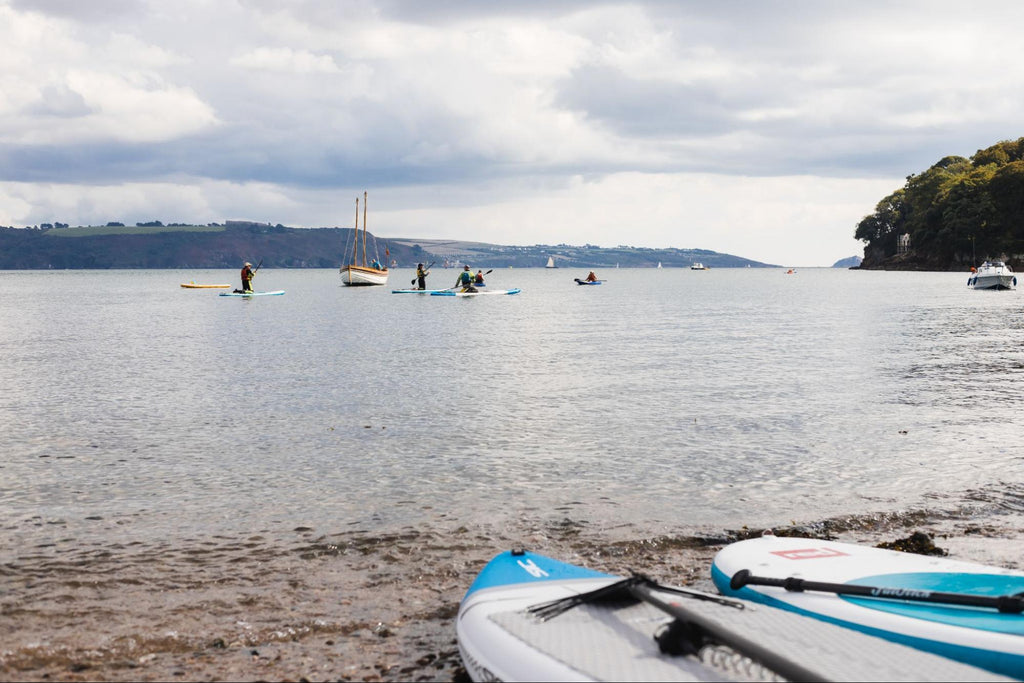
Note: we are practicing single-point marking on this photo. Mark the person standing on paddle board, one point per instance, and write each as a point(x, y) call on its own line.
point(247, 275)
point(465, 280)
point(421, 275)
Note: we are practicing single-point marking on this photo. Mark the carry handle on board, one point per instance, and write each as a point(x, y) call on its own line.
point(783, 666)
point(1007, 604)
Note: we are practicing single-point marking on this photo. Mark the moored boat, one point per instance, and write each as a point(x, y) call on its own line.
point(359, 272)
point(699, 266)
point(993, 275)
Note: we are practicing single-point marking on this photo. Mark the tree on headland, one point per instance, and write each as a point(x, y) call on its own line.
point(957, 211)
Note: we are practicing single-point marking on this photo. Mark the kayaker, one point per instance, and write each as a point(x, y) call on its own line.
point(591, 277)
point(465, 280)
point(421, 275)
point(479, 277)
point(247, 276)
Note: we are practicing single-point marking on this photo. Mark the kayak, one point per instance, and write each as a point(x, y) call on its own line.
point(247, 295)
point(451, 292)
point(936, 604)
point(192, 285)
point(530, 617)
point(588, 282)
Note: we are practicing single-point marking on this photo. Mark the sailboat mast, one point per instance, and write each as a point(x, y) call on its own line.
point(355, 240)
point(364, 226)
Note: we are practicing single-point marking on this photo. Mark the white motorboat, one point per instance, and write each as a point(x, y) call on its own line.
point(698, 266)
point(993, 275)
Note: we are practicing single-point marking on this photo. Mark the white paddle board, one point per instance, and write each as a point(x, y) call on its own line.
point(901, 610)
point(247, 295)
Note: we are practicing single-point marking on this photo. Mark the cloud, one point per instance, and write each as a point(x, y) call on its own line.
point(512, 109)
point(286, 59)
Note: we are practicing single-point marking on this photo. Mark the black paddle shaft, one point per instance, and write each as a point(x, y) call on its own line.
point(785, 667)
point(424, 270)
point(1007, 604)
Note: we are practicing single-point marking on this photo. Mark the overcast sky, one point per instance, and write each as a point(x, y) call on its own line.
point(761, 129)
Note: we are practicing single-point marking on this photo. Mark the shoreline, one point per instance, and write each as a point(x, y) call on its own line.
point(355, 606)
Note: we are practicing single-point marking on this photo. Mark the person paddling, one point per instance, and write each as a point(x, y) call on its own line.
point(247, 275)
point(465, 280)
point(591, 277)
point(479, 279)
point(421, 275)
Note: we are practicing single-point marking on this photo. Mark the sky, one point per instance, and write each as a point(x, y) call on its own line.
point(766, 130)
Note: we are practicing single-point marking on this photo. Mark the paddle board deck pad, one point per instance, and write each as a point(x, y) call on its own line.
point(980, 636)
point(508, 630)
point(487, 293)
point(192, 285)
point(247, 295)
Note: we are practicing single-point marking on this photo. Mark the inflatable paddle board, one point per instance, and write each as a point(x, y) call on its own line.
point(416, 291)
point(527, 617)
point(939, 605)
point(588, 282)
point(192, 285)
point(246, 295)
point(495, 291)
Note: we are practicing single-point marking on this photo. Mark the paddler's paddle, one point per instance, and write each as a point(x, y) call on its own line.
point(1007, 604)
point(689, 630)
point(413, 281)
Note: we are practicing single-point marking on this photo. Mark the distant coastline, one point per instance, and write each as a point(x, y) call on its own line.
point(228, 245)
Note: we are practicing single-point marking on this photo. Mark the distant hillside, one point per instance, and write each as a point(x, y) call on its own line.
point(228, 246)
point(851, 262)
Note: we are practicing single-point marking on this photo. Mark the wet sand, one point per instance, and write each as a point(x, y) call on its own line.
point(350, 606)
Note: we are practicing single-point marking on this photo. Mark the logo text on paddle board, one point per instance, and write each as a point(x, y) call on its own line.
point(808, 553)
point(900, 593)
point(532, 569)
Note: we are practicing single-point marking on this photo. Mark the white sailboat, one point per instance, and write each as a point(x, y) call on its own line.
point(551, 262)
point(358, 272)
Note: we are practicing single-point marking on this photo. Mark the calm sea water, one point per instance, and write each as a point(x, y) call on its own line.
point(135, 409)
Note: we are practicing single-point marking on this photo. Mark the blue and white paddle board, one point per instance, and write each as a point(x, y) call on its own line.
point(247, 295)
point(501, 639)
point(451, 292)
point(978, 636)
point(416, 291)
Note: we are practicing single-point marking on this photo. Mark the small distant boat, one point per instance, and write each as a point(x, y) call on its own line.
point(359, 272)
point(588, 282)
point(993, 275)
point(551, 262)
point(193, 285)
point(659, 264)
point(699, 266)
point(790, 271)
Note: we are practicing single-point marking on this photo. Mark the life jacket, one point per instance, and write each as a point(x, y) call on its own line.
point(246, 273)
point(466, 277)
